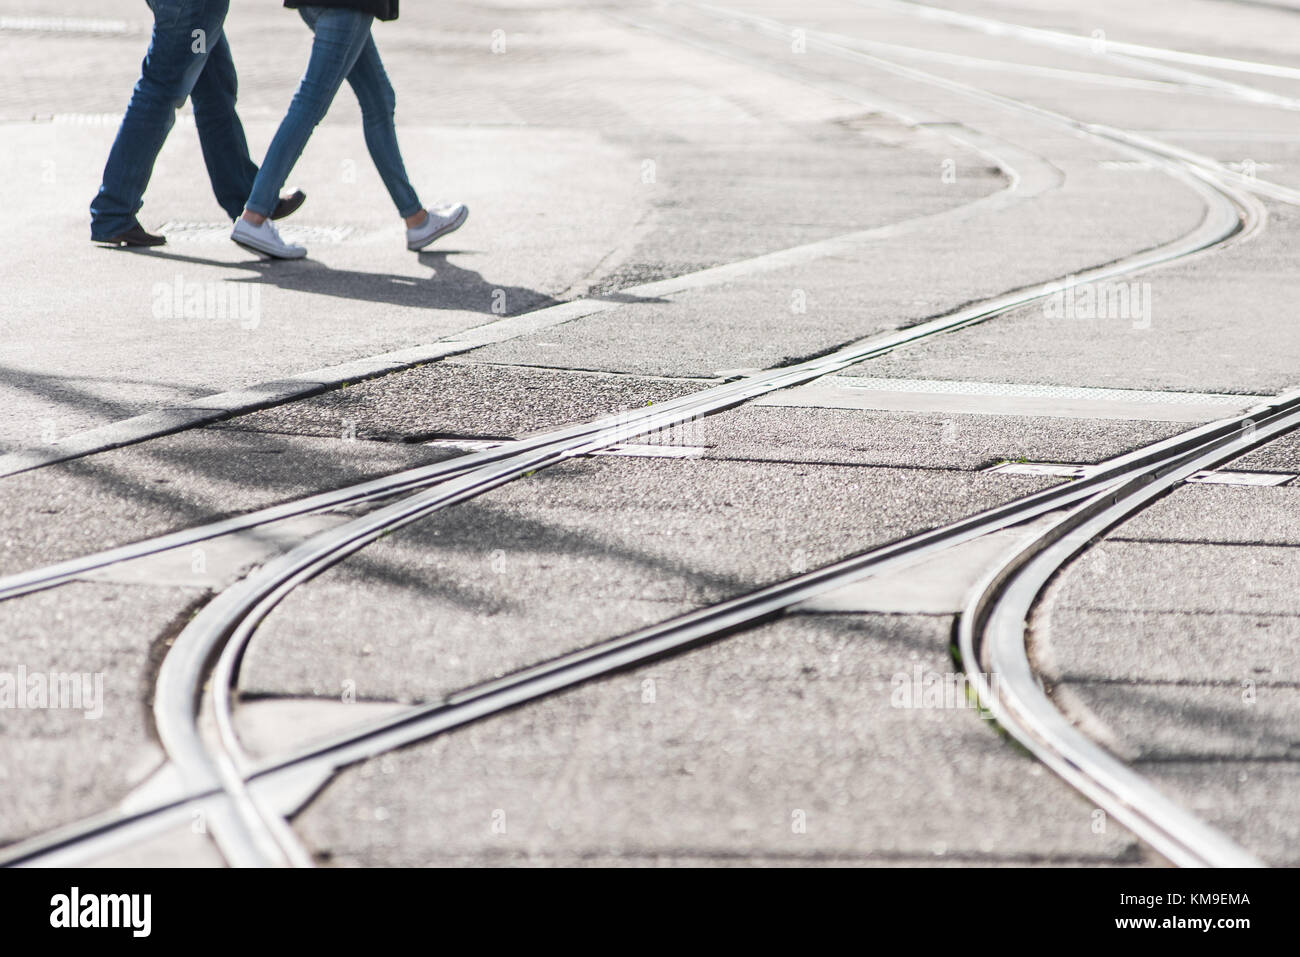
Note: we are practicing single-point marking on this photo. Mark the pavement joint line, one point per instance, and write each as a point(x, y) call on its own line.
point(1240, 613)
point(825, 395)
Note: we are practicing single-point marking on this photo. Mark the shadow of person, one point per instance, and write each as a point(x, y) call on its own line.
point(449, 286)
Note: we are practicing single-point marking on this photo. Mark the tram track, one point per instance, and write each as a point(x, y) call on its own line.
point(250, 826)
point(275, 787)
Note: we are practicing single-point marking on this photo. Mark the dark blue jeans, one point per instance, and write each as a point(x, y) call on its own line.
point(343, 49)
point(179, 63)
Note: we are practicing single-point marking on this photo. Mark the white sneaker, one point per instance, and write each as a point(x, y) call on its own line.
point(441, 220)
point(265, 239)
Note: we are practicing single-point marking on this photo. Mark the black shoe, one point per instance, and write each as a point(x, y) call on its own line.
point(135, 236)
point(288, 204)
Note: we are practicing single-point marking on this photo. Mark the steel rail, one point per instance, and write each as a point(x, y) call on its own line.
point(1079, 43)
point(999, 610)
point(1214, 230)
point(1184, 80)
point(322, 758)
point(831, 43)
point(230, 619)
point(994, 626)
point(25, 582)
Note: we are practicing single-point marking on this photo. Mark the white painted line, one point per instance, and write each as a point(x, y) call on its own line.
point(112, 120)
point(1040, 468)
point(469, 445)
point(1242, 478)
point(1010, 66)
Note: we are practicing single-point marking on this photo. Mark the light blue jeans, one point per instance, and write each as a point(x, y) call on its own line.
point(343, 49)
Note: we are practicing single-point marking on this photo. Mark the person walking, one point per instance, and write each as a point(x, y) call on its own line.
point(343, 49)
point(188, 56)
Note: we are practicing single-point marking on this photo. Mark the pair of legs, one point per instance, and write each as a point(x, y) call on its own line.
point(188, 57)
point(343, 50)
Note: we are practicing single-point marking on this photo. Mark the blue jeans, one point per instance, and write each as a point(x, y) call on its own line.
point(343, 49)
point(179, 64)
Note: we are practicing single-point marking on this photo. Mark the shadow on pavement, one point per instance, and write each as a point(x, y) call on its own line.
point(448, 286)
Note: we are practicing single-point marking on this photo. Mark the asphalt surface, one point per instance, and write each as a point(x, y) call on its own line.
point(601, 149)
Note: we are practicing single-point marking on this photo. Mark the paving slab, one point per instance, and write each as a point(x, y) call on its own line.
point(937, 584)
point(998, 398)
